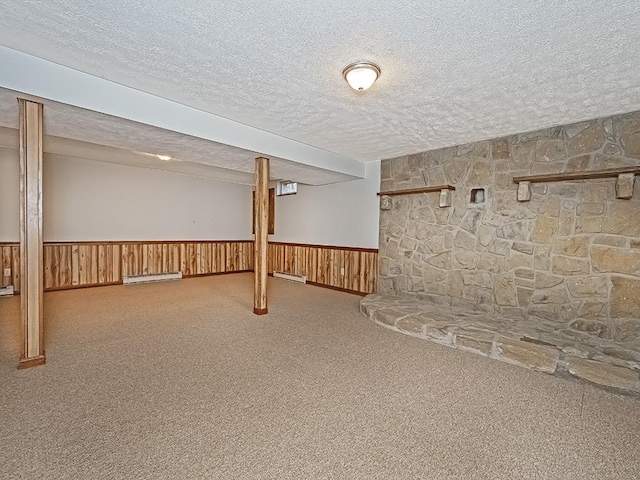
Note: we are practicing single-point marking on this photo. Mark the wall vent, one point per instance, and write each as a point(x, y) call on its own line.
point(478, 196)
point(159, 277)
point(291, 277)
point(286, 188)
point(6, 291)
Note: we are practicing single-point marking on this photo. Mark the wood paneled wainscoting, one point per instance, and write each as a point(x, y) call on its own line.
point(88, 264)
point(10, 257)
point(342, 268)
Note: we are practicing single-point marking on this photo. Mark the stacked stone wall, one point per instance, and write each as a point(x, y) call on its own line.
point(569, 258)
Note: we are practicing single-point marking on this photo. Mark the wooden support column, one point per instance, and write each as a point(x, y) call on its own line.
point(261, 227)
point(31, 261)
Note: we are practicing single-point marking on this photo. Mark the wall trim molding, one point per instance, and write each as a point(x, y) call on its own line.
point(197, 275)
point(130, 242)
point(159, 242)
point(338, 289)
point(113, 284)
point(76, 287)
point(329, 247)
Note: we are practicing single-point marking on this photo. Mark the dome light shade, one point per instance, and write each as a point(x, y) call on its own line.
point(361, 75)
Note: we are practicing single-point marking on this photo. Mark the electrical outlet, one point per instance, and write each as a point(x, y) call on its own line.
point(7, 272)
point(342, 271)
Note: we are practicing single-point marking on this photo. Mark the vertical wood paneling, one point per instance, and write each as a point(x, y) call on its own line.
point(323, 265)
point(68, 265)
point(117, 266)
point(15, 253)
point(193, 258)
point(7, 262)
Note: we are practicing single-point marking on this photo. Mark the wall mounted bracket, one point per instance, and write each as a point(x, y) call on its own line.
point(624, 184)
point(445, 193)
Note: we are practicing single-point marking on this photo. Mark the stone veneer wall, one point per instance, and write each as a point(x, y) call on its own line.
point(570, 256)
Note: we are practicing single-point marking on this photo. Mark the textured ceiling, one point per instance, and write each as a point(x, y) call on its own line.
point(452, 71)
point(91, 151)
point(132, 143)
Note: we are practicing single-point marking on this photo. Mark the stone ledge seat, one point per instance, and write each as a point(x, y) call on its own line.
point(542, 347)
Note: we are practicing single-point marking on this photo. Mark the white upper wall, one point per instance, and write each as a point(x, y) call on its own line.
point(85, 200)
point(344, 214)
point(9, 195)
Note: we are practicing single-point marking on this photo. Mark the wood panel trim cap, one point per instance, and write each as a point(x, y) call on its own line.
point(327, 247)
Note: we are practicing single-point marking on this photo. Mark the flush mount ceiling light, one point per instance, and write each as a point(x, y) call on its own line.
point(361, 75)
point(166, 158)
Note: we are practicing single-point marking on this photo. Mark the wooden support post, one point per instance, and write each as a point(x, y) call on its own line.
point(624, 185)
point(524, 191)
point(261, 226)
point(31, 260)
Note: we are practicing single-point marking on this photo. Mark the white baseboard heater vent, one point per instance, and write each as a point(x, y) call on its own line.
point(6, 291)
point(158, 277)
point(289, 276)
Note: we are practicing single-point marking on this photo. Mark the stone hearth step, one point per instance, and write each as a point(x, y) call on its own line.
point(541, 347)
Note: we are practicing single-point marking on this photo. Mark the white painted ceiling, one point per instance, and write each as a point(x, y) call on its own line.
point(453, 71)
point(76, 132)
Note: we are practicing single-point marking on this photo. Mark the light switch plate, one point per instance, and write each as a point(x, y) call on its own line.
point(7, 272)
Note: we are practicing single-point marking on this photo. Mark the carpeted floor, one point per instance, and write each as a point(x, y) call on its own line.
point(179, 380)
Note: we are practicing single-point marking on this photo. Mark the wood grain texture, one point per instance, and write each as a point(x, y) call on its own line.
point(329, 247)
point(84, 264)
point(411, 191)
point(261, 229)
point(323, 265)
point(31, 362)
point(11, 260)
point(31, 251)
point(568, 176)
point(272, 212)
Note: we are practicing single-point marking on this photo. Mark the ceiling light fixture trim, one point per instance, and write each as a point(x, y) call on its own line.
point(361, 75)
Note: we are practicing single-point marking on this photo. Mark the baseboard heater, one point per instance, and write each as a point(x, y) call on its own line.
point(158, 277)
point(291, 277)
point(6, 291)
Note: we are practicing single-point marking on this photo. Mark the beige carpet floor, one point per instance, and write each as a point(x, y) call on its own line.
point(179, 380)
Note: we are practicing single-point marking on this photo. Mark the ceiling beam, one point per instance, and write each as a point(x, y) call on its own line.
point(34, 76)
point(65, 147)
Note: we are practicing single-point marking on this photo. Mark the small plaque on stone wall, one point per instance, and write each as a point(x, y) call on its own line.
point(624, 185)
point(386, 202)
point(445, 198)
